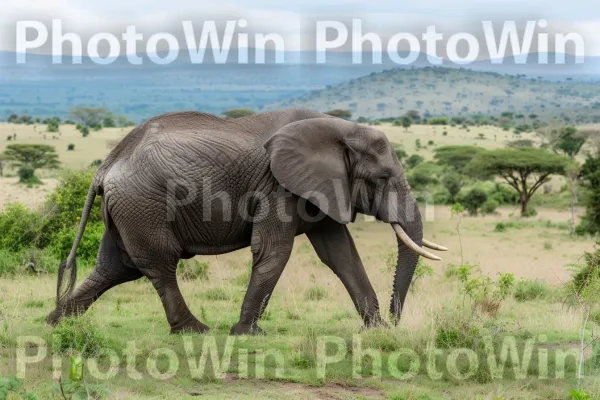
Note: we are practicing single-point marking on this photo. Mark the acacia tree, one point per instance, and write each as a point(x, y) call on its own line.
point(31, 156)
point(525, 169)
point(90, 116)
point(456, 156)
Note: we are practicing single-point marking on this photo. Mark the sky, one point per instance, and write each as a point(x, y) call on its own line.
point(296, 21)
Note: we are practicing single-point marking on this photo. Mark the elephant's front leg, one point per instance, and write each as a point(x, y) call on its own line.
point(273, 235)
point(336, 249)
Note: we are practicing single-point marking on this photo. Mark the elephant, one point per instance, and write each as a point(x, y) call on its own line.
point(189, 183)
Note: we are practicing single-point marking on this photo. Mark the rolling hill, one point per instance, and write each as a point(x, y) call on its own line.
point(455, 92)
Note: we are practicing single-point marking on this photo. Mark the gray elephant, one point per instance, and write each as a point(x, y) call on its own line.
point(188, 183)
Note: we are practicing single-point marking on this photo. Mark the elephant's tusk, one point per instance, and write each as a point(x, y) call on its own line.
point(412, 245)
point(434, 246)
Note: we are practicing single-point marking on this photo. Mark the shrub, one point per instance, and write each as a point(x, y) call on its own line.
point(65, 205)
point(474, 200)
point(414, 160)
point(422, 270)
point(87, 251)
point(504, 195)
point(584, 275)
point(9, 262)
point(530, 212)
point(193, 270)
point(500, 227)
point(315, 293)
point(71, 147)
point(487, 294)
point(527, 290)
point(19, 227)
point(77, 335)
point(453, 182)
point(489, 207)
point(438, 121)
point(441, 197)
point(27, 175)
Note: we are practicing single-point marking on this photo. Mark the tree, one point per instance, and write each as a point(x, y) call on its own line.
point(414, 160)
point(124, 122)
point(32, 156)
point(2, 164)
point(474, 200)
point(590, 175)
point(89, 116)
point(414, 115)
point(453, 182)
point(568, 141)
point(406, 122)
point(109, 121)
point(53, 126)
point(456, 156)
point(344, 114)
point(238, 113)
point(526, 169)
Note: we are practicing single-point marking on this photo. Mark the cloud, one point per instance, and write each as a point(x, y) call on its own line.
point(296, 22)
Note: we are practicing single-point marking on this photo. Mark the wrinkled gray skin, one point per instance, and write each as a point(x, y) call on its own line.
point(162, 192)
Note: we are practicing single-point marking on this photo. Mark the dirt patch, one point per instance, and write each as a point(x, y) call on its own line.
point(273, 389)
point(12, 191)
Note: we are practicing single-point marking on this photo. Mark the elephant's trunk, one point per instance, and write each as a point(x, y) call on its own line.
point(399, 208)
point(408, 238)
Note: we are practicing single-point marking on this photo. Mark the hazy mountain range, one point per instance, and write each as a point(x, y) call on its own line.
point(41, 88)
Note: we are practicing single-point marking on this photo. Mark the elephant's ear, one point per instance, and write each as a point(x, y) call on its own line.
point(309, 158)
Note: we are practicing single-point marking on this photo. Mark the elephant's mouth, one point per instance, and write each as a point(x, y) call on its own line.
point(403, 236)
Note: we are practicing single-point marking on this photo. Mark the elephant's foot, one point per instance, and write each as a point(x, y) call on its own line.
point(375, 322)
point(54, 317)
point(68, 310)
point(246, 329)
point(190, 326)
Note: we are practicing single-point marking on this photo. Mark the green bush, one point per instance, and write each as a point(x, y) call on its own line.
point(27, 175)
point(10, 262)
point(504, 194)
point(473, 200)
point(530, 212)
point(500, 227)
point(527, 290)
point(71, 147)
point(78, 335)
point(87, 251)
point(438, 121)
point(414, 160)
point(489, 207)
point(441, 197)
point(20, 227)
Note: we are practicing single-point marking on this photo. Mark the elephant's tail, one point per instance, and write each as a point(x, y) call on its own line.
point(67, 272)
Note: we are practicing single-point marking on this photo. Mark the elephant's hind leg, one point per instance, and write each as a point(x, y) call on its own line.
point(178, 314)
point(110, 271)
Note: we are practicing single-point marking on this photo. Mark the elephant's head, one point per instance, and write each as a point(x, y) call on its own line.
point(345, 168)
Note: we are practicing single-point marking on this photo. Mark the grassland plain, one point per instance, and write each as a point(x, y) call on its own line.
point(310, 304)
